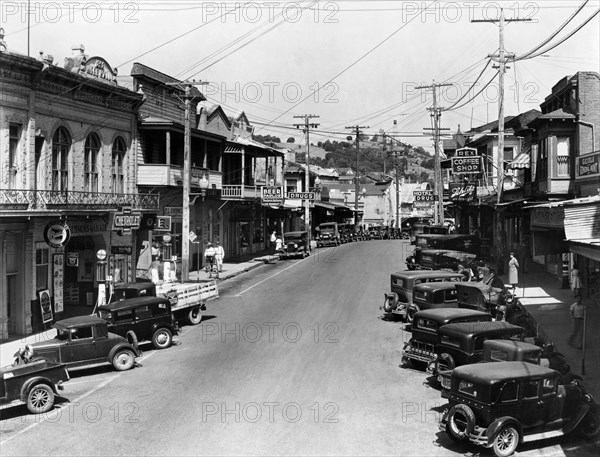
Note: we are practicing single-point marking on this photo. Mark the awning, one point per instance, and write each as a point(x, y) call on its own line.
point(512, 202)
point(586, 248)
point(232, 149)
point(521, 161)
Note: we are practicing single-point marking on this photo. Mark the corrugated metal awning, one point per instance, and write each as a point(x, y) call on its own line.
point(586, 248)
point(521, 161)
point(582, 221)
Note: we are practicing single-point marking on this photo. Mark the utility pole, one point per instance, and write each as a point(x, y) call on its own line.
point(436, 112)
point(306, 126)
point(357, 132)
point(187, 143)
point(501, 58)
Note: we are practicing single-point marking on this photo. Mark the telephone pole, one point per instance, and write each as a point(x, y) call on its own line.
point(436, 113)
point(357, 132)
point(306, 126)
point(187, 143)
point(502, 58)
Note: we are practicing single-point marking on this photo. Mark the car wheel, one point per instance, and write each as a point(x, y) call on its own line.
point(195, 315)
point(461, 422)
point(589, 427)
point(506, 441)
point(40, 399)
point(162, 338)
point(123, 360)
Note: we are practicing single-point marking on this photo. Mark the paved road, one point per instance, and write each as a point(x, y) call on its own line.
point(292, 360)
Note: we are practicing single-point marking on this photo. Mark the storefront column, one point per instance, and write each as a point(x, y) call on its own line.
point(3, 288)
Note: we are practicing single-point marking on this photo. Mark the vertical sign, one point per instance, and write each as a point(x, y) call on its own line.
point(57, 276)
point(45, 305)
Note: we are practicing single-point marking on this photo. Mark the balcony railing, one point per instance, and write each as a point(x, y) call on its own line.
point(238, 192)
point(40, 200)
point(172, 175)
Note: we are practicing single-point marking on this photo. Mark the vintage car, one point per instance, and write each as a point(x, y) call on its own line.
point(33, 382)
point(142, 319)
point(481, 296)
point(375, 232)
point(296, 245)
point(432, 295)
point(402, 284)
point(462, 343)
point(500, 405)
point(443, 259)
point(454, 242)
point(511, 351)
point(84, 341)
point(328, 234)
point(419, 228)
point(346, 231)
point(421, 349)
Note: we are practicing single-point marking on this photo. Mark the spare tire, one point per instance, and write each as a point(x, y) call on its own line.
point(444, 362)
point(411, 311)
point(461, 422)
point(391, 302)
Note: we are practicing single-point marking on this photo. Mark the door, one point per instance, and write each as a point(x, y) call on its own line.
point(82, 344)
point(536, 400)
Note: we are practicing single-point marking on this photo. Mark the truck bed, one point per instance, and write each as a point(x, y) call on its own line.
point(184, 296)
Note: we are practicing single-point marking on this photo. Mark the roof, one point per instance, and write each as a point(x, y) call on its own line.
point(496, 328)
point(491, 373)
point(139, 70)
point(79, 321)
point(574, 201)
point(445, 314)
point(427, 273)
point(519, 346)
point(558, 114)
point(131, 303)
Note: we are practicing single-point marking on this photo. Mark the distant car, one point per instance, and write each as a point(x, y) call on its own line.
point(328, 234)
point(402, 284)
point(422, 348)
point(296, 245)
point(142, 319)
point(501, 405)
point(85, 340)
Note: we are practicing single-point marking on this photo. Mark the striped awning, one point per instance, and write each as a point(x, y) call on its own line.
point(233, 149)
point(520, 162)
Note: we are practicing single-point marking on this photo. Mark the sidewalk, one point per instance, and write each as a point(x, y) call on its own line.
point(231, 268)
point(549, 303)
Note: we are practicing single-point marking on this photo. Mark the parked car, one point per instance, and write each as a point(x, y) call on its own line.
point(328, 234)
point(454, 242)
point(433, 295)
point(84, 341)
point(444, 259)
point(462, 343)
point(501, 405)
point(511, 351)
point(296, 245)
point(422, 348)
point(402, 284)
point(346, 231)
point(33, 382)
point(142, 319)
point(425, 228)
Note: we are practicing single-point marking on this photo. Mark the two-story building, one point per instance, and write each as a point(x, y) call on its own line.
point(67, 185)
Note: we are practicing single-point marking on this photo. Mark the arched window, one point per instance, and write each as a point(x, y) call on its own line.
point(117, 180)
point(91, 165)
point(61, 145)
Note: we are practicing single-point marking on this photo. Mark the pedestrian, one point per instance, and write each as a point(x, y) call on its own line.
point(577, 311)
point(219, 257)
point(209, 256)
point(575, 281)
point(278, 244)
point(513, 271)
point(273, 238)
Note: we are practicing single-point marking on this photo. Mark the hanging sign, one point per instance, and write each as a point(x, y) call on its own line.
point(57, 234)
point(466, 164)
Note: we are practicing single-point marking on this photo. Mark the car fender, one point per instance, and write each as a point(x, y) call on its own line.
point(170, 327)
point(27, 386)
point(502, 422)
point(118, 347)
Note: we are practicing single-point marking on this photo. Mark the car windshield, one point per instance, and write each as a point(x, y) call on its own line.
point(327, 230)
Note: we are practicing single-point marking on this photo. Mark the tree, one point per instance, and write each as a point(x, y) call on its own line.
point(291, 140)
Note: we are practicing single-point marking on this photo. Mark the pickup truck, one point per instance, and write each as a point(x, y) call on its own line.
point(188, 300)
point(34, 383)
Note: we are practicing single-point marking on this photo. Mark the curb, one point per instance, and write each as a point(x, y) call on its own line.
point(259, 261)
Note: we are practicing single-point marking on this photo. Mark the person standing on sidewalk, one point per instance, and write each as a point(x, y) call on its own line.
point(575, 281)
point(577, 310)
point(219, 257)
point(513, 272)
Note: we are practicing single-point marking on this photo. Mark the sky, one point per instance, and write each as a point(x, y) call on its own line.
point(349, 62)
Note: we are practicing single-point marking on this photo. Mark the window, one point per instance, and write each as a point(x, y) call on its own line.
point(101, 331)
point(450, 342)
point(14, 133)
point(42, 257)
point(81, 333)
point(427, 324)
point(468, 388)
point(117, 176)
point(124, 315)
point(143, 312)
point(563, 168)
point(61, 144)
point(530, 389)
point(548, 386)
point(90, 164)
point(499, 355)
point(509, 392)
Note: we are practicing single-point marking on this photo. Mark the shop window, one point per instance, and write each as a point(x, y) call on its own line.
point(91, 167)
point(42, 267)
point(117, 184)
point(61, 144)
point(13, 149)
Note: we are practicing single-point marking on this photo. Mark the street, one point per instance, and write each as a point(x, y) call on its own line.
point(293, 359)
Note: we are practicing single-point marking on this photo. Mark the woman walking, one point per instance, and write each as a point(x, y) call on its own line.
point(513, 272)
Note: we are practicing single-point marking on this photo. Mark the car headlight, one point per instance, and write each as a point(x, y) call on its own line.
point(295, 246)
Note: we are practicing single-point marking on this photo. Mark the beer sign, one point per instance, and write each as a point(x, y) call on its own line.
point(272, 194)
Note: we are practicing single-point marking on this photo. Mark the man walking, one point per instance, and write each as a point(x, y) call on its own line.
point(577, 310)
